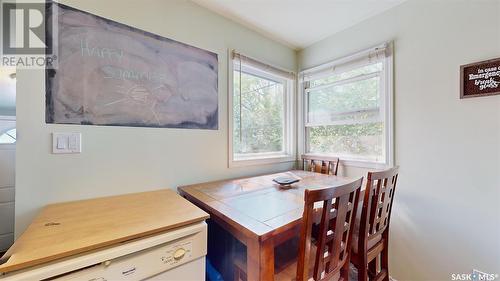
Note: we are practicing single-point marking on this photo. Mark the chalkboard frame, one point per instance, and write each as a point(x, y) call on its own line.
point(212, 120)
point(463, 94)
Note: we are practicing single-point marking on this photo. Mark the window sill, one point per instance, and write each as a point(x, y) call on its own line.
point(7, 146)
point(260, 159)
point(363, 164)
point(358, 163)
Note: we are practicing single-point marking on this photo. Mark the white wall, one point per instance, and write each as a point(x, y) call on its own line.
point(446, 217)
point(118, 160)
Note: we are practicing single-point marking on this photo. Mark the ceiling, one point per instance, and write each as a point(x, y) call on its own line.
point(298, 23)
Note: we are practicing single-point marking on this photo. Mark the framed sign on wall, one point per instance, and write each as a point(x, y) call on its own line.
point(480, 79)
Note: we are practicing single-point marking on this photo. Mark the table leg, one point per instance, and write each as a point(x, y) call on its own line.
point(260, 260)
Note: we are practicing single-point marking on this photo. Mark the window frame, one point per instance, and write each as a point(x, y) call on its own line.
point(345, 64)
point(289, 152)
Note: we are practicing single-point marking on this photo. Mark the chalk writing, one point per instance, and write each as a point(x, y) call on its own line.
point(115, 72)
point(103, 53)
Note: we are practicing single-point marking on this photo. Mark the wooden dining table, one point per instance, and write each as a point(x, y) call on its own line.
point(259, 212)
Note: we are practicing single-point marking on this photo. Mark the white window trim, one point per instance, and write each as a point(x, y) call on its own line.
point(289, 153)
point(7, 118)
point(387, 105)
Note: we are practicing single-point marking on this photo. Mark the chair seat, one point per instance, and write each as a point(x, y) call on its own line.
point(355, 235)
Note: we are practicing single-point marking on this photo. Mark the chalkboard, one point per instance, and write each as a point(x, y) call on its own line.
point(480, 79)
point(109, 73)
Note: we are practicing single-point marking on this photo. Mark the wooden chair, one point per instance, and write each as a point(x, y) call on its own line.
point(371, 231)
point(328, 257)
point(321, 164)
point(331, 256)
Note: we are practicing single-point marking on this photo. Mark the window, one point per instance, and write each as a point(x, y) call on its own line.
point(348, 108)
point(8, 137)
point(260, 112)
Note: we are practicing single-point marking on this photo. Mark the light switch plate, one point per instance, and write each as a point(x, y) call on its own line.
point(66, 143)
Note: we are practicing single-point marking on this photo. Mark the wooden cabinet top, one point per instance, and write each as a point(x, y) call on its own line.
point(65, 229)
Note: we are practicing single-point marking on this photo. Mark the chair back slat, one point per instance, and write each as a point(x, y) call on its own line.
point(377, 204)
point(319, 258)
point(320, 164)
point(334, 239)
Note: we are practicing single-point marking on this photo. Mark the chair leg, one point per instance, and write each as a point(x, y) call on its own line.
point(385, 260)
point(344, 273)
point(362, 274)
point(363, 268)
point(372, 267)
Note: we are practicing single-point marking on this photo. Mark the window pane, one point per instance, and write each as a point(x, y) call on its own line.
point(258, 117)
point(362, 141)
point(341, 102)
point(12, 133)
point(348, 74)
point(8, 137)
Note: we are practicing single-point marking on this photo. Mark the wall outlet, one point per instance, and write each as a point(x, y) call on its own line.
point(66, 143)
